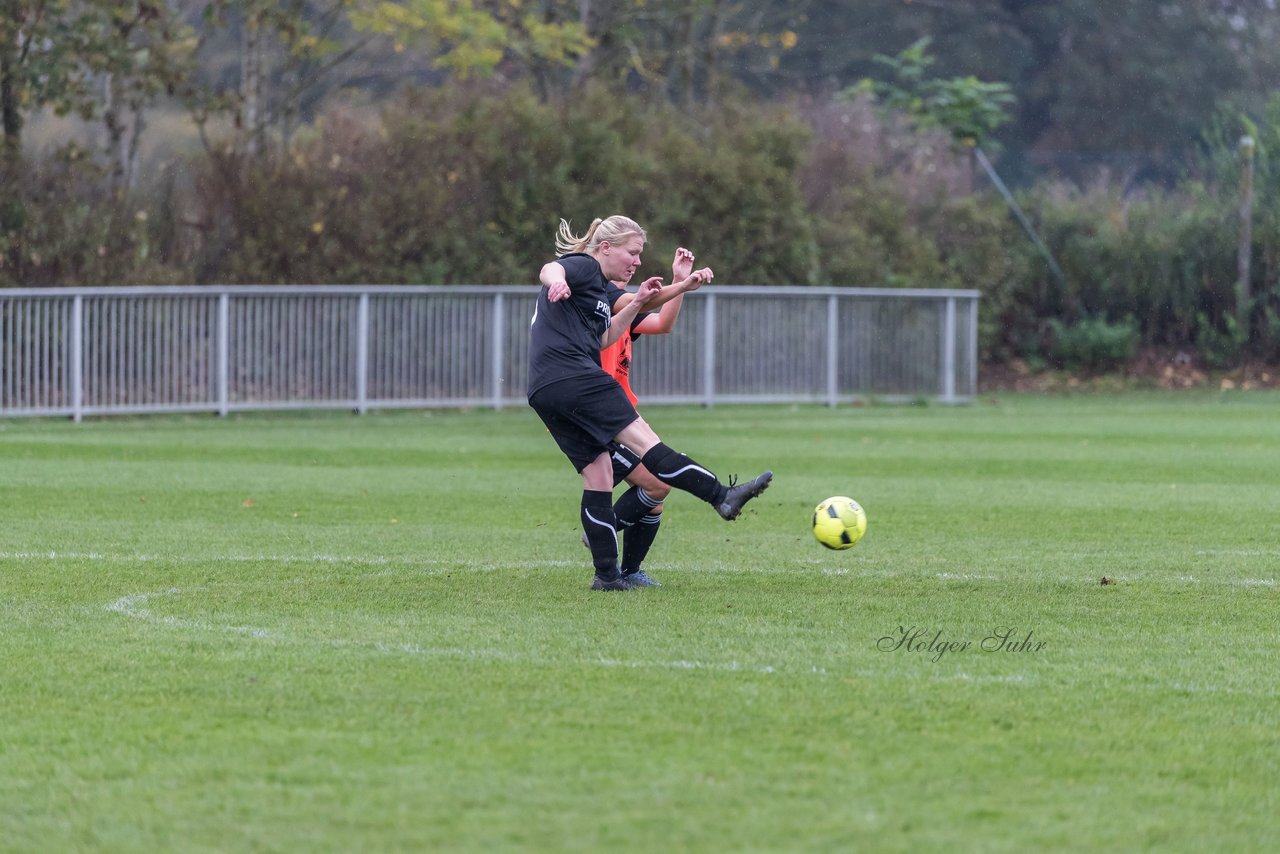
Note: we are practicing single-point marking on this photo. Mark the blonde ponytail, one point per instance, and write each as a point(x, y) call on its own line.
point(614, 230)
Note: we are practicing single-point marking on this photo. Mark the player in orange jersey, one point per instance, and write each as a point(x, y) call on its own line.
point(639, 510)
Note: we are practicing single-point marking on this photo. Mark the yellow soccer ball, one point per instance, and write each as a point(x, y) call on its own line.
point(839, 522)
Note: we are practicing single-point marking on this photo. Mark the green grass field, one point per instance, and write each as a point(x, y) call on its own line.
point(331, 633)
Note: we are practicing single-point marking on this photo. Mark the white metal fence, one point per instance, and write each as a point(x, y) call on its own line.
point(92, 351)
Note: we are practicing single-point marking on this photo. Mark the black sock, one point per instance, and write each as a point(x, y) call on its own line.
point(632, 506)
point(675, 469)
point(600, 527)
point(636, 542)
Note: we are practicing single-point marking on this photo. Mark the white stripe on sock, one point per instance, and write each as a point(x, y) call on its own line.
point(612, 530)
point(685, 469)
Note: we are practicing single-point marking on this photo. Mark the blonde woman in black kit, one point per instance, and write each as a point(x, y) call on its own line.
point(583, 407)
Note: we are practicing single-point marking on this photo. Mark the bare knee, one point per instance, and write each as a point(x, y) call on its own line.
point(638, 436)
point(598, 474)
point(646, 480)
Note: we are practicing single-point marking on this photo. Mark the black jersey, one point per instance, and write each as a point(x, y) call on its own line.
point(564, 337)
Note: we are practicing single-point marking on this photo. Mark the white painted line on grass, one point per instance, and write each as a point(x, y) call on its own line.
point(134, 606)
point(52, 555)
point(1007, 679)
point(432, 566)
point(436, 565)
point(1238, 552)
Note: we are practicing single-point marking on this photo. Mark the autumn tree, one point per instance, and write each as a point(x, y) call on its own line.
point(682, 50)
point(133, 54)
point(263, 64)
point(472, 38)
point(35, 71)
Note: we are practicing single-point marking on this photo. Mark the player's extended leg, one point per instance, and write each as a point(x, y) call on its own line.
point(676, 469)
point(599, 524)
point(639, 513)
point(646, 492)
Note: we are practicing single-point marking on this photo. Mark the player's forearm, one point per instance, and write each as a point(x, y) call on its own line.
point(618, 323)
point(670, 292)
point(665, 320)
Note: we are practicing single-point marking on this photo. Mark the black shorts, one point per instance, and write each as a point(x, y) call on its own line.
point(583, 413)
point(624, 461)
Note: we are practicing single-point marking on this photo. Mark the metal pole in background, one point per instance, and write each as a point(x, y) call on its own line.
point(77, 357)
point(949, 352)
point(709, 353)
point(224, 352)
point(833, 350)
point(1019, 215)
point(973, 346)
point(497, 352)
point(362, 355)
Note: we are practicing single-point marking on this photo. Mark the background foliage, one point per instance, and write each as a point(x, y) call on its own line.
point(354, 141)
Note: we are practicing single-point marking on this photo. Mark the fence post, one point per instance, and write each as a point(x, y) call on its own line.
point(77, 357)
point(949, 352)
point(833, 350)
point(973, 346)
point(709, 353)
point(224, 353)
point(362, 355)
point(497, 350)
